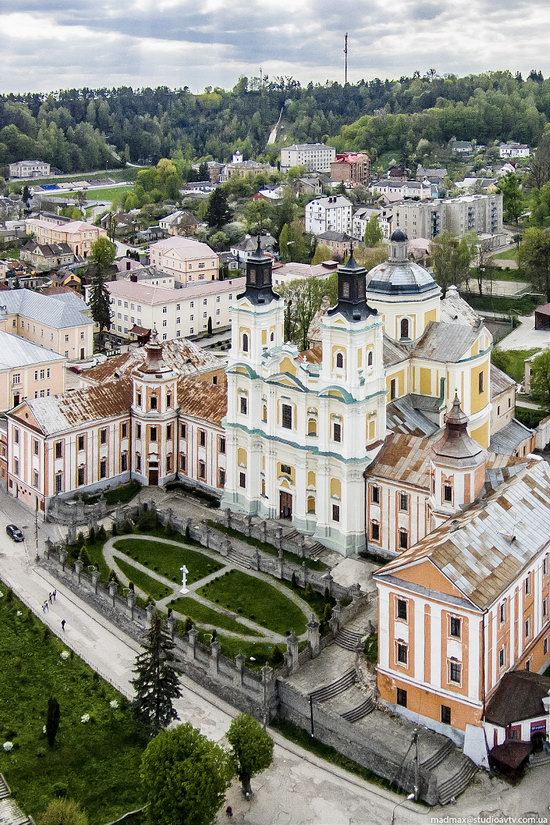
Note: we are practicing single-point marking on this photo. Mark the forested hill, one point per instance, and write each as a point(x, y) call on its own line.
point(82, 129)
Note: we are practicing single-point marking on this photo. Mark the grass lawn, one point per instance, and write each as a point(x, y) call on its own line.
point(201, 614)
point(10, 252)
point(511, 361)
point(109, 193)
point(507, 255)
point(257, 600)
point(167, 559)
point(118, 495)
point(496, 273)
point(146, 583)
point(313, 564)
point(259, 652)
point(98, 762)
point(508, 306)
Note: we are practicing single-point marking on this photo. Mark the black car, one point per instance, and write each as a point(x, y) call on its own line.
point(14, 532)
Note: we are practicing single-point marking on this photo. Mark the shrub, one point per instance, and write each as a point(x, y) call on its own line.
point(277, 657)
point(114, 530)
point(45, 633)
point(188, 624)
point(80, 539)
point(40, 753)
point(9, 594)
point(371, 648)
point(101, 534)
point(91, 535)
point(293, 581)
point(60, 790)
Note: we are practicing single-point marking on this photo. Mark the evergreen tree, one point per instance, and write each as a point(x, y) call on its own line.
point(218, 212)
point(52, 721)
point(156, 683)
point(100, 302)
point(373, 233)
point(534, 258)
point(252, 748)
point(512, 198)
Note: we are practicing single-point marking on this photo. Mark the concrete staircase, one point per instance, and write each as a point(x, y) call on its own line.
point(366, 707)
point(238, 558)
point(460, 779)
point(335, 688)
point(4, 789)
point(438, 757)
point(10, 812)
point(348, 639)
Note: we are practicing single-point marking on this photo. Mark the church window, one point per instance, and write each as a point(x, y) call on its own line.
point(169, 399)
point(287, 416)
point(312, 426)
point(242, 480)
point(455, 627)
point(403, 539)
point(202, 438)
point(153, 433)
point(264, 413)
point(375, 531)
point(402, 609)
point(139, 399)
point(286, 469)
point(455, 672)
point(375, 494)
point(369, 358)
point(481, 381)
point(402, 653)
point(202, 470)
point(336, 431)
point(243, 405)
point(335, 512)
point(245, 342)
point(138, 462)
point(339, 361)
point(405, 328)
point(403, 502)
point(311, 505)
point(393, 389)
point(153, 402)
point(447, 493)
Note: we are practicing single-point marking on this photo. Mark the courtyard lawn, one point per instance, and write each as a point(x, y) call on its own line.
point(511, 361)
point(109, 193)
point(151, 586)
point(167, 559)
point(505, 305)
point(507, 254)
point(257, 600)
point(201, 614)
point(96, 763)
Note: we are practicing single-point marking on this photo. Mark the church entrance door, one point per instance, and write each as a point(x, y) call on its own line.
point(285, 505)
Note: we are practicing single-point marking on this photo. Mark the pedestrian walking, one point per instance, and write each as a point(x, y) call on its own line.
point(229, 812)
point(63, 624)
point(54, 594)
point(50, 597)
point(43, 607)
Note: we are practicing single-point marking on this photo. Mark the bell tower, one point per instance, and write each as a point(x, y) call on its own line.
point(457, 468)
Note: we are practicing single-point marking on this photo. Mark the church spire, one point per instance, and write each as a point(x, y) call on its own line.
point(259, 284)
point(352, 281)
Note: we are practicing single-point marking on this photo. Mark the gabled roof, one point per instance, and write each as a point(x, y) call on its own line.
point(512, 436)
point(404, 458)
point(186, 249)
point(500, 382)
point(484, 549)
point(18, 352)
point(445, 342)
point(58, 311)
point(393, 353)
point(518, 696)
point(199, 397)
point(403, 417)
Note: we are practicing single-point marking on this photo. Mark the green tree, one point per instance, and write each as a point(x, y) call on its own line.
point(218, 212)
point(52, 721)
point(540, 379)
point(292, 243)
point(156, 683)
point(103, 253)
point(252, 748)
point(63, 812)
point(451, 259)
point(185, 777)
point(534, 258)
point(322, 253)
point(219, 240)
point(512, 197)
point(257, 215)
point(373, 233)
point(303, 299)
point(100, 303)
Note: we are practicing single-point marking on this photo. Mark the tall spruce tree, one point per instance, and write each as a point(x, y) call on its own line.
point(100, 304)
point(156, 683)
point(52, 721)
point(218, 212)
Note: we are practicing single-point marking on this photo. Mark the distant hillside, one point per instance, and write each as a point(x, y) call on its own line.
point(82, 129)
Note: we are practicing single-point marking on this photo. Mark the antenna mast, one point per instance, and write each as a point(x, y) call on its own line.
point(345, 59)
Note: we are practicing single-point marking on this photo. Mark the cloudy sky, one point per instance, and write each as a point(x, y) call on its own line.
point(52, 44)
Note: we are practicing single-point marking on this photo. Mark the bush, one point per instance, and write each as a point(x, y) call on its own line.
point(114, 531)
point(91, 535)
point(293, 580)
point(60, 790)
point(40, 753)
point(277, 657)
point(371, 648)
point(101, 534)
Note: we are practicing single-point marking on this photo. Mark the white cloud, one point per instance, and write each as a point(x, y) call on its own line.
point(52, 44)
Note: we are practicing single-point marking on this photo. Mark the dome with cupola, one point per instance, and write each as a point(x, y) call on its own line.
point(399, 275)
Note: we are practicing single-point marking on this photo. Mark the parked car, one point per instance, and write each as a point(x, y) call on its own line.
point(14, 532)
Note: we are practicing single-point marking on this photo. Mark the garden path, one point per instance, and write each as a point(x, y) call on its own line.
point(110, 553)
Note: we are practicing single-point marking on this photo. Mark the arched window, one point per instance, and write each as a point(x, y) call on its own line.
point(369, 358)
point(312, 426)
point(339, 361)
point(311, 505)
point(405, 328)
point(272, 336)
point(264, 413)
point(245, 342)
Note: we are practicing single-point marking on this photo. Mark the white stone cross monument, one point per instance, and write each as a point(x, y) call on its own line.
point(184, 572)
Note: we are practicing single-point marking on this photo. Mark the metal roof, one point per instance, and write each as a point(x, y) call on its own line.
point(58, 311)
point(402, 417)
point(484, 549)
point(18, 352)
point(511, 436)
point(445, 342)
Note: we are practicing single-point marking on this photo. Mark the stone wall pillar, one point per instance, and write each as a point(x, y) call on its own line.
point(313, 636)
point(150, 612)
point(257, 559)
point(113, 587)
point(304, 574)
point(239, 669)
point(95, 579)
point(192, 638)
point(248, 524)
point(131, 602)
point(71, 534)
point(279, 538)
point(292, 648)
point(78, 565)
point(214, 655)
point(328, 580)
point(228, 518)
point(280, 564)
point(63, 558)
point(334, 620)
point(48, 546)
point(170, 622)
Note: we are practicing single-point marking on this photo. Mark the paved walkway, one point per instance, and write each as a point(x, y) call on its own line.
point(525, 336)
point(110, 552)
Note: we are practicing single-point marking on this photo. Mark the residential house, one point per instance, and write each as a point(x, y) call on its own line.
point(60, 323)
point(434, 175)
point(362, 216)
point(188, 260)
point(27, 371)
point(331, 213)
point(351, 169)
point(243, 250)
point(79, 236)
point(338, 242)
point(316, 157)
point(29, 169)
point(181, 222)
point(45, 257)
point(399, 190)
point(462, 148)
point(514, 150)
point(240, 168)
point(284, 273)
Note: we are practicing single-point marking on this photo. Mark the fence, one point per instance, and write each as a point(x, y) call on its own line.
point(374, 752)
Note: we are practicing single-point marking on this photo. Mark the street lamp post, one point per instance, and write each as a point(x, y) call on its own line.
point(409, 798)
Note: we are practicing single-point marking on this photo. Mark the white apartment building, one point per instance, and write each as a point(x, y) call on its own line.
point(284, 273)
point(188, 260)
point(328, 214)
point(29, 169)
point(316, 157)
point(176, 313)
point(514, 150)
point(395, 190)
point(481, 214)
point(362, 216)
